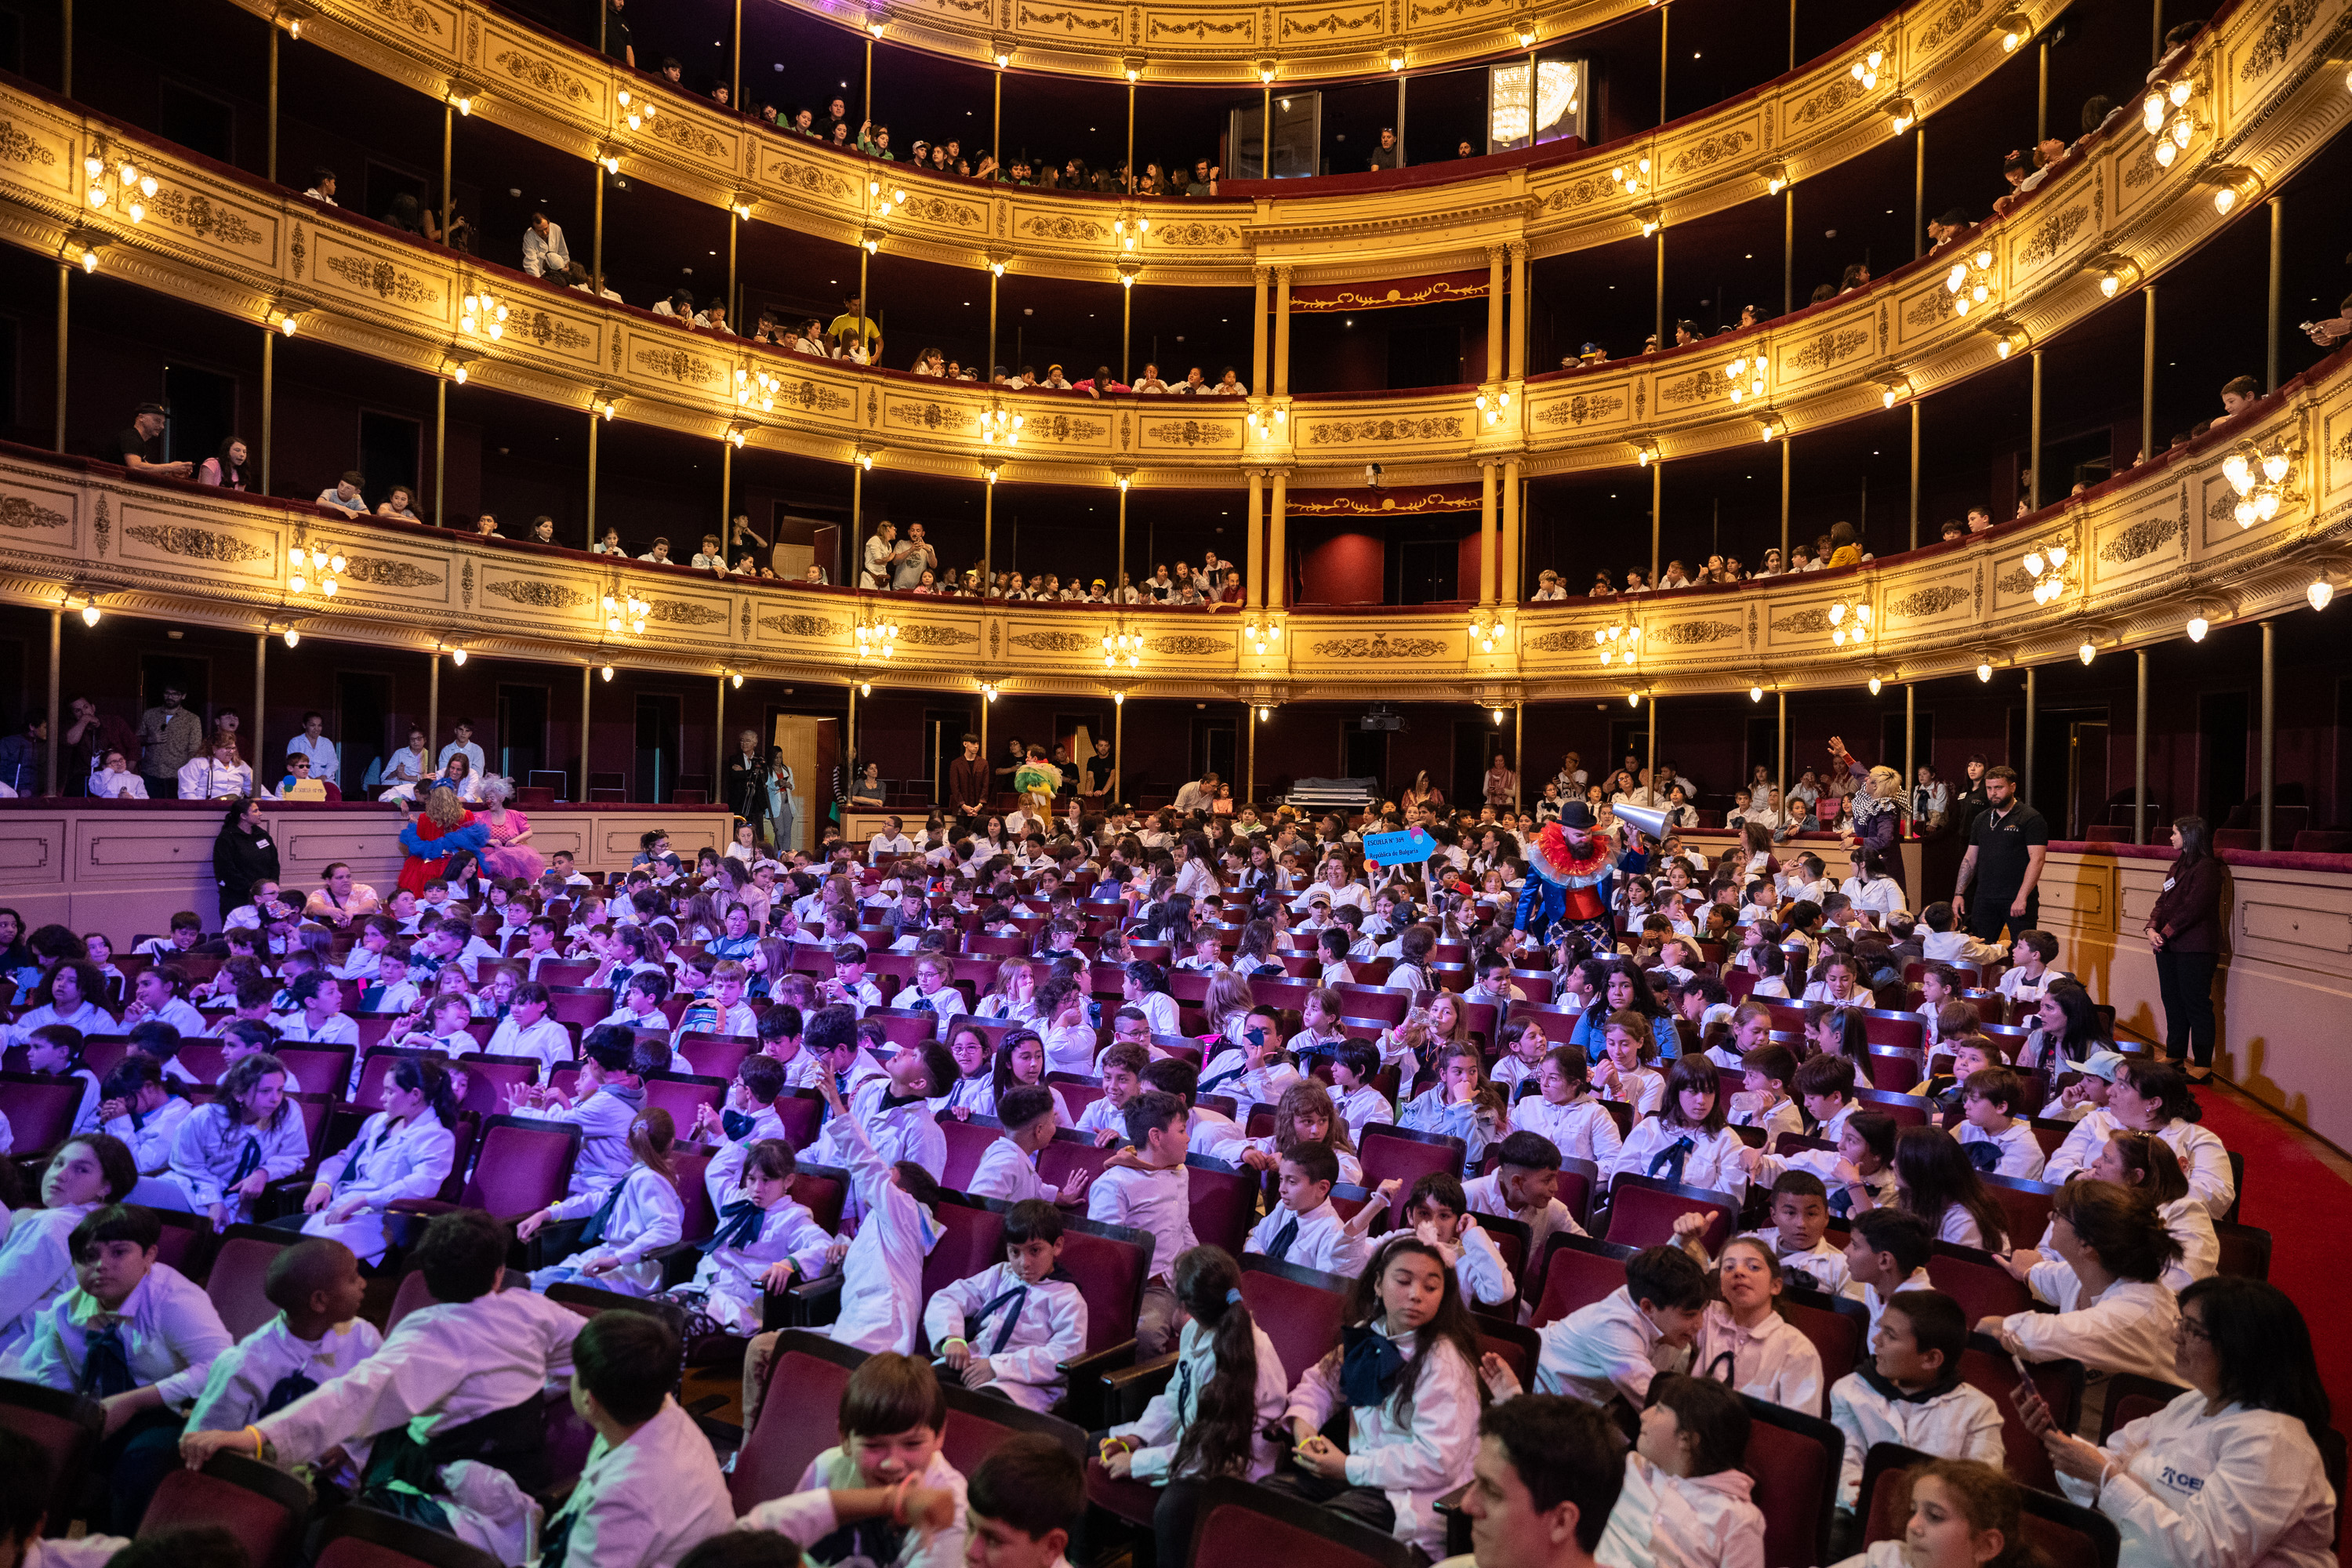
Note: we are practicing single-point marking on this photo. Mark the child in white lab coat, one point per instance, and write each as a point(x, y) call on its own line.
point(252, 1135)
point(405, 1150)
point(637, 1216)
point(1012, 1326)
point(764, 1241)
point(885, 1494)
point(317, 1336)
point(1686, 1501)
point(1687, 1142)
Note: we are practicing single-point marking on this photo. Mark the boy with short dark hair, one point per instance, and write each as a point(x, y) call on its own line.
point(1148, 1187)
point(651, 1489)
point(885, 1478)
point(1887, 1251)
point(1023, 1501)
point(1008, 1167)
point(1120, 1066)
point(1910, 1392)
point(606, 1101)
point(1764, 1101)
point(1524, 1186)
point(1012, 1325)
point(1996, 1139)
point(1304, 1226)
point(1615, 1346)
point(317, 1336)
point(135, 1334)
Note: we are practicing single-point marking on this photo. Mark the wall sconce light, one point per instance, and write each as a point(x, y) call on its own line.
point(1865, 70)
point(606, 672)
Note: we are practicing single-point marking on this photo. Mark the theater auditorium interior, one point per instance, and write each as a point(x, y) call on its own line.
point(1721, 941)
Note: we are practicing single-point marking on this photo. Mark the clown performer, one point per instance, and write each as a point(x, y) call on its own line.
point(1877, 806)
point(442, 841)
point(1037, 782)
point(1569, 873)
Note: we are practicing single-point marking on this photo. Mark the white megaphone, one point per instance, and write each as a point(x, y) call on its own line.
point(1647, 820)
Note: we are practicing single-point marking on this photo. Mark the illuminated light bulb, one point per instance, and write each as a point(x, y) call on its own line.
point(1838, 637)
point(93, 165)
point(329, 587)
point(2057, 556)
point(2267, 504)
point(457, 657)
point(459, 375)
point(90, 611)
point(1874, 686)
point(295, 555)
point(2224, 199)
point(2274, 465)
point(98, 195)
point(2165, 153)
point(2108, 283)
point(606, 672)
point(2182, 128)
point(2033, 563)
point(2180, 92)
point(2152, 112)
point(293, 638)
point(865, 689)
point(1984, 672)
point(298, 583)
point(2235, 469)
point(2320, 593)
point(1956, 278)
point(1633, 699)
point(2087, 652)
point(737, 677)
point(138, 212)
point(90, 260)
point(2245, 515)
point(2198, 628)
point(2004, 349)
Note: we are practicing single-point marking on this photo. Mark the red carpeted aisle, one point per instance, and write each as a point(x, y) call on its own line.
point(2301, 1192)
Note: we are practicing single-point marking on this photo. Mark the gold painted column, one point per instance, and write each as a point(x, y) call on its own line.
point(269, 405)
point(1281, 335)
point(1254, 580)
point(1521, 296)
point(587, 684)
point(1257, 334)
point(1486, 533)
point(57, 694)
point(1495, 348)
point(1506, 569)
point(1278, 557)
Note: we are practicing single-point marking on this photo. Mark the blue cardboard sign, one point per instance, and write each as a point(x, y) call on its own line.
point(1399, 848)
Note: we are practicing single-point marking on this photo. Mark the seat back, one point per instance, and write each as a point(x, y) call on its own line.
point(1238, 1522)
point(1408, 1156)
point(1109, 1264)
point(1299, 1309)
point(1068, 1154)
point(967, 1143)
point(971, 1238)
point(2062, 1534)
point(1982, 1286)
point(2245, 1250)
point(259, 1504)
point(240, 1264)
point(979, 1423)
point(1838, 1328)
point(2130, 1396)
point(1985, 1365)
point(1897, 1071)
point(1796, 1458)
point(681, 1093)
point(2024, 1207)
point(67, 1427)
point(1576, 1272)
point(807, 1377)
point(1224, 1202)
point(524, 1165)
point(801, 1111)
point(715, 1056)
point(40, 1110)
point(1642, 1211)
point(316, 1069)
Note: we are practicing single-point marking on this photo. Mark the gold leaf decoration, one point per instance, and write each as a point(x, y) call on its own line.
point(939, 210)
point(544, 75)
point(196, 544)
point(2143, 538)
point(1711, 152)
point(936, 636)
point(1332, 24)
point(386, 573)
point(1826, 102)
point(536, 594)
point(686, 613)
point(545, 330)
point(417, 18)
point(1380, 645)
point(1698, 388)
point(2053, 234)
point(803, 626)
point(1184, 645)
point(19, 512)
point(1959, 15)
point(678, 133)
point(1054, 642)
point(815, 181)
point(199, 217)
point(18, 148)
point(2289, 20)
point(1191, 432)
point(1348, 432)
point(383, 280)
point(1058, 225)
point(1689, 633)
point(1826, 349)
point(1927, 601)
point(931, 417)
point(678, 365)
point(1201, 30)
point(1580, 409)
point(1195, 235)
point(1803, 623)
point(810, 397)
point(1069, 21)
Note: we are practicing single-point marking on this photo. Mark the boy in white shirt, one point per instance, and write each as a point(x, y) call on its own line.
point(1304, 1227)
point(886, 1492)
point(1012, 1326)
point(1995, 1141)
point(1120, 1066)
point(1524, 1186)
point(317, 1336)
point(848, 983)
point(1911, 1392)
point(1613, 1348)
point(134, 1106)
point(1887, 1251)
point(1148, 1187)
point(1764, 1102)
point(1798, 1235)
point(2025, 982)
point(1942, 943)
point(1008, 1167)
point(1353, 1095)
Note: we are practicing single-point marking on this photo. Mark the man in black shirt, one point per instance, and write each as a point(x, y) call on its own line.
point(2007, 842)
point(618, 42)
point(141, 446)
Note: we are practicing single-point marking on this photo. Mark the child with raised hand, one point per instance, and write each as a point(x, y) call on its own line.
point(885, 1493)
point(2114, 1313)
point(1354, 1095)
point(1623, 1072)
point(651, 1489)
point(1461, 1103)
point(1994, 1135)
point(1148, 1187)
point(1565, 1111)
point(1910, 1392)
point(1686, 1500)
point(1304, 1227)
point(891, 1112)
point(1742, 1340)
point(318, 1335)
point(140, 1109)
point(1406, 1373)
point(1438, 1211)
point(1613, 1348)
point(229, 1151)
point(1687, 1141)
point(638, 1216)
point(882, 1272)
point(135, 1334)
point(1763, 1101)
point(1304, 1115)
point(1008, 1167)
point(1212, 1416)
point(1012, 1326)
point(405, 1150)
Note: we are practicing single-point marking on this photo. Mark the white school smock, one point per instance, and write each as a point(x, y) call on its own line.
point(648, 1502)
point(603, 1120)
point(1413, 1457)
point(646, 1216)
point(1713, 1163)
point(149, 1137)
point(882, 1273)
point(2237, 1489)
point(1664, 1521)
point(2128, 1327)
point(1580, 1130)
point(171, 1334)
point(1485, 1195)
point(1156, 1434)
point(805, 1514)
point(1773, 1361)
point(243, 1375)
point(1048, 1322)
point(36, 1269)
point(547, 1042)
point(1957, 1423)
point(2021, 1151)
point(2203, 1158)
point(1320, 1241)
point(1605, 1349)
point(210, 1148)
point(380, 1166)
point(1156, 1201)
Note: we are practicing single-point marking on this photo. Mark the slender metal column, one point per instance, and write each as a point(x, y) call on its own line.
point(433, 703)
point(2139, 753)
point(440, 446)
point(587, 685)
point(269, 409)
point(2033, 704)
point(65, 276)
point(260, 687)
point(2270, 723)
point(2148, 375)
point(57, 725)
point(593, 420)
point(2278, 262)
point(2033, 442)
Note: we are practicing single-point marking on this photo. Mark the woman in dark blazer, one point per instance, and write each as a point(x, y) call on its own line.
point(243, 854)
point(2185, 930)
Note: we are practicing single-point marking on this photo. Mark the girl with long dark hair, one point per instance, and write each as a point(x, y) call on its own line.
point(2184, 930)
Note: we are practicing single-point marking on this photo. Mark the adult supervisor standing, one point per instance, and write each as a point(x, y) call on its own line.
point(2185, 931)
point(2001, 872)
